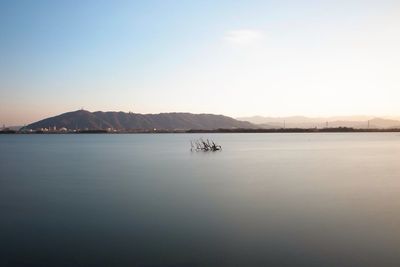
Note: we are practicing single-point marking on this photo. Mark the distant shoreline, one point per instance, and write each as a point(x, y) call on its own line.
point(282, 130)
point(298, 130)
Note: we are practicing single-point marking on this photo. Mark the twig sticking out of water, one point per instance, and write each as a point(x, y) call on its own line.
point(201, 145)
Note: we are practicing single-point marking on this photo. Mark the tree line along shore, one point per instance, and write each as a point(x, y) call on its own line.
point(238, 130)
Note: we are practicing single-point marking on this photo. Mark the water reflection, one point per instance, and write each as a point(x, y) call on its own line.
point(146, 200)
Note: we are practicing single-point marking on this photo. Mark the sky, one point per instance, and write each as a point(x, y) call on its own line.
point(237, 58)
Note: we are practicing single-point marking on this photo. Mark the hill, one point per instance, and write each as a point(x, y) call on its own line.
point(82, 119)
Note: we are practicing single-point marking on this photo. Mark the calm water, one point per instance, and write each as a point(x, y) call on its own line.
point(146, 200)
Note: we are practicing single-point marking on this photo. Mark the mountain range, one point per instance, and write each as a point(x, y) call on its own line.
point(83, 119)
point(99, 120)
point(358, 122)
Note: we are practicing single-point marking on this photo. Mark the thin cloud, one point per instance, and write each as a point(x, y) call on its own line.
point(244, 37)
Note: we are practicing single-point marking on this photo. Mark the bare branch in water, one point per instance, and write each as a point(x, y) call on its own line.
point(201, 145)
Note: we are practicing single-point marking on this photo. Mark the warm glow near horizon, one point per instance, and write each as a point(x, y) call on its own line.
point(239, 59)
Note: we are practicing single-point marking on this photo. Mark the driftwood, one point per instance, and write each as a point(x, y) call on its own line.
point(201, 145)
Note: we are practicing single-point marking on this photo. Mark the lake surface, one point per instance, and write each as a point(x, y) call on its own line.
point(146, 200)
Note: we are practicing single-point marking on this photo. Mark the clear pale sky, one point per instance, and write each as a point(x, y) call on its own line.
point(238, 58)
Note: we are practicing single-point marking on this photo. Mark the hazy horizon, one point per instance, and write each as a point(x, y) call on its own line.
point(253, 119)
point(241, 59)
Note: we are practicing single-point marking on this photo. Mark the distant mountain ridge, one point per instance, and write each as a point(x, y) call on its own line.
point(83, 119)
point(358, 122)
